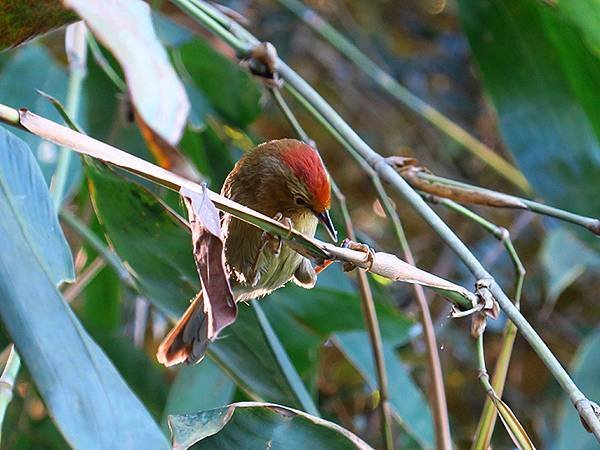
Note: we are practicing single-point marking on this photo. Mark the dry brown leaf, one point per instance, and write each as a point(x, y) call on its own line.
point(219, 304)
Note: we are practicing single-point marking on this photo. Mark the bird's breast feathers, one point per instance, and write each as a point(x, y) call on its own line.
point(272, 271)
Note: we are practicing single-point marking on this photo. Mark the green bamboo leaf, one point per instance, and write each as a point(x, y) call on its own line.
point(154, 245)
point(511, 423)
point(26, 201)
point(197, 388)
point(56, 349)
point(585, 15)
point(230, 90)
point(252, 425)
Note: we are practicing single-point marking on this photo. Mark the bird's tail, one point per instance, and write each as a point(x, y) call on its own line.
point(188, 340)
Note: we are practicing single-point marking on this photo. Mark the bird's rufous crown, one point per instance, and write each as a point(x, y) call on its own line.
point(307, 165)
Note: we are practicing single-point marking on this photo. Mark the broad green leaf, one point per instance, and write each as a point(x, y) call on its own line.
point(585, 368)
point(543, 82)
point(26, 200)
point(146, 379)
point(304, 319)
point(197, 388)
point(564, 258)
point(408, 403)
point(243, 352)
point(155, 247)
point(254, 426)
point(326, 311)
point(230, 90)
point(19, 79)
point(210, 154)
point(102, 412)
point(125, 28)
point(102, 306)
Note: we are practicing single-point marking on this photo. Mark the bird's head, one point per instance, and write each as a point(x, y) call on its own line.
point(307, 187)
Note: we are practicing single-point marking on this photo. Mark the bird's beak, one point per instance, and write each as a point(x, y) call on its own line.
point(325, 219)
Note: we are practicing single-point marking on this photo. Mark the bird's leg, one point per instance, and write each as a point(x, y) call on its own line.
point(272, 241)
point(276, 242)
point(305, 275)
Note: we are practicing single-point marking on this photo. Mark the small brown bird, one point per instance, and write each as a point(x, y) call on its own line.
point(284, 179)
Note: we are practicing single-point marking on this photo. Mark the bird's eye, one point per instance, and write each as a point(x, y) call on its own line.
point(300, 201)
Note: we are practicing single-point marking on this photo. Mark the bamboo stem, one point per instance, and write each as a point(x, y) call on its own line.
point(491, 198)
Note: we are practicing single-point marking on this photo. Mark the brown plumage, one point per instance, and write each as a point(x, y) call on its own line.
point(282, 177)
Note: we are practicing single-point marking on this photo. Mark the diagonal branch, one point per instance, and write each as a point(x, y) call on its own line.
point(422, 179)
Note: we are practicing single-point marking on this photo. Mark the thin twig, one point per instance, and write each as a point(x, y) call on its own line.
point(512, 425)
point(7, 382)
point(73, 290)
point(467, 193)
point(206, 14)
point(406, 97)
point(439, 405)
point(368, 309)
point(366, 295)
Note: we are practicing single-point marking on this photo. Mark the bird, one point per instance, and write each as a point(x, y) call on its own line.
point(284, 179)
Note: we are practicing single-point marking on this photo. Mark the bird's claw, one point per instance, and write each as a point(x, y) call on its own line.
point(275, 242)
point(368, 251)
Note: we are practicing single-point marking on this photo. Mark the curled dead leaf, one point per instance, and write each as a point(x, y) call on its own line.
point(478, 324)
point(204, 219)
